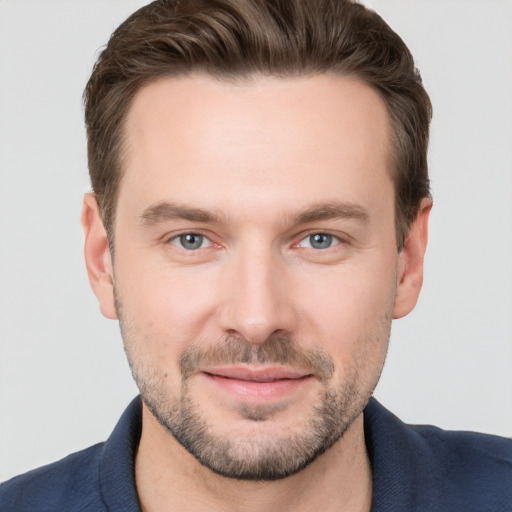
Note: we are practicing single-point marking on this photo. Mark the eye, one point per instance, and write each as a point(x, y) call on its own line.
point(191, 241)
point(319, 241)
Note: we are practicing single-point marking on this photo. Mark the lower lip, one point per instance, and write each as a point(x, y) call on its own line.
point(264, 391)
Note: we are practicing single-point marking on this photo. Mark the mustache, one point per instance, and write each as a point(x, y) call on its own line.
point(275, 349)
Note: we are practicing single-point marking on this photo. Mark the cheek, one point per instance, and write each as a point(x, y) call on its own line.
point(349, 298)
point(164, 305)
point(351, 318)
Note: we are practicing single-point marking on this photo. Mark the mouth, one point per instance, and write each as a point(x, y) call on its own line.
point(257, 384)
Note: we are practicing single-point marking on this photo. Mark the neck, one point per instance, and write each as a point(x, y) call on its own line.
point(169, 478)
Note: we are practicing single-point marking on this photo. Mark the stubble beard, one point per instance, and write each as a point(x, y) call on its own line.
point(258, 456)
point(262, 455)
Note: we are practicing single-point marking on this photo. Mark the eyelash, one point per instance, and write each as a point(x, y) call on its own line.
point(179, 240)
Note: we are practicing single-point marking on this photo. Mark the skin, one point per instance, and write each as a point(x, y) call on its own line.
point(262, 157)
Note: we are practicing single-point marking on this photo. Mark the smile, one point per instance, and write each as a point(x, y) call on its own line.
point(257, 385)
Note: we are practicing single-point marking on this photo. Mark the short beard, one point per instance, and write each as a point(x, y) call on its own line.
point(263, 457)
point(260, 455)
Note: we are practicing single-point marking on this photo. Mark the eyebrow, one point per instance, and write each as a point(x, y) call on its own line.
point(332, 210)
point(166, 211)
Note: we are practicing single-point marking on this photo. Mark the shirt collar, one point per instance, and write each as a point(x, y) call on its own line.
point(394, 449)
point(117, 470)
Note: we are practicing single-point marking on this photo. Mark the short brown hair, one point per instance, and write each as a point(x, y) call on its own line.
point(230, 38)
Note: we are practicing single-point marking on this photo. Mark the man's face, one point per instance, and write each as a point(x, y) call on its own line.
point(255, 265)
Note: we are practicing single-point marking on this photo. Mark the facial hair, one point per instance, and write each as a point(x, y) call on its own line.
point(262, 455)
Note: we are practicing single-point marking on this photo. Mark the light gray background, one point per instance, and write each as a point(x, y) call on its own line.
point(63, 377)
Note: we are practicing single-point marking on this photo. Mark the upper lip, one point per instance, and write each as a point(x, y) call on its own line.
point(267, 374)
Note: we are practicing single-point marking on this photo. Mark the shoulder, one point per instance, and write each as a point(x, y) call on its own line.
point(469, 459)
point(468, 445)
point(99, 478)
point(421, 467)
point(69, 484)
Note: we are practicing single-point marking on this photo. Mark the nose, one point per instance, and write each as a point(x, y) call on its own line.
point(258, 301)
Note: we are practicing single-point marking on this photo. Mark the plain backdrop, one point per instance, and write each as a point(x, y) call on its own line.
point(64, 380)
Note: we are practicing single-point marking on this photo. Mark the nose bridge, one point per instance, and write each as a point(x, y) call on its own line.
point(256, 304)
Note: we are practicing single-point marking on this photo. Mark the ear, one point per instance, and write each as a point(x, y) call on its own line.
point(410, 266)
point(97, 256)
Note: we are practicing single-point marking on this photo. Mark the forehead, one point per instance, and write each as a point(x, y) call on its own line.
point(200, 135)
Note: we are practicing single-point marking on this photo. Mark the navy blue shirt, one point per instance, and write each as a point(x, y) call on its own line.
point(415, 468)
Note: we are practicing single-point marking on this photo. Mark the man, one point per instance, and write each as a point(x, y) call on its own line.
point(259, 216)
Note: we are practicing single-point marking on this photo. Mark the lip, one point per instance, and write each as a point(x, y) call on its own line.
point(257, 384)
point(267, 374)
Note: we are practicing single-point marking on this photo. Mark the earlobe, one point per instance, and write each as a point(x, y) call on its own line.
point(410, 268)
point(97, 256)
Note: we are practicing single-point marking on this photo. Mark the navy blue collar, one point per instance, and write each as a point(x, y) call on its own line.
point(397, 456)
point(387, 448)
point(117, 470)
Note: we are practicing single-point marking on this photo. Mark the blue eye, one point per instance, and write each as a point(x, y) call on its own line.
point(191, 241)
point(319, 241)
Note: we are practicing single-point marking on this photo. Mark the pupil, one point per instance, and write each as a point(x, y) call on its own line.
point(321, 241)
